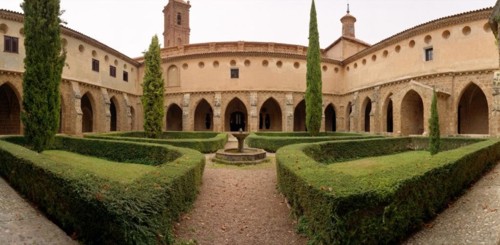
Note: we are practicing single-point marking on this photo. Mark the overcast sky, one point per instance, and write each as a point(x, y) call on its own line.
point(128, 25)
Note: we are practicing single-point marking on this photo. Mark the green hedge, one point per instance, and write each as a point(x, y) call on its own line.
point(99, 210)
point(271, 141)
point(377, 208)
point(204, 142)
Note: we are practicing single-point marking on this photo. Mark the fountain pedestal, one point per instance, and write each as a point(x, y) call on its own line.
point(240, 155)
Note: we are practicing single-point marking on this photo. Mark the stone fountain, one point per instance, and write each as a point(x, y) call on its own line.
point(240, 155)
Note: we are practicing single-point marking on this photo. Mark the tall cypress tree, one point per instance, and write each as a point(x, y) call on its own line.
point(153, 90)
point(43, 65)
point(314, 94)
point(434, 134)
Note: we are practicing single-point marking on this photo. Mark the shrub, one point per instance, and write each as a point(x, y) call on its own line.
point(200, 141)
point(366, 206)
point(99, 210)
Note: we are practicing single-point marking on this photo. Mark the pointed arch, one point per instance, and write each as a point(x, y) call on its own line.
point(203, 116)
point(114, 110)
point(412, 114)
point(388, 111)
point(366, 112)
point(174, 118)
point(88, 117)
point(472, 111)
point(132, 118)
point(10, 110)
point(236, 115)
point(330, 118)
point(299, 117)
point(270, 116)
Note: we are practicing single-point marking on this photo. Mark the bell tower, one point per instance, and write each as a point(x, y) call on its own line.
point(176, 26)
point(348, 24)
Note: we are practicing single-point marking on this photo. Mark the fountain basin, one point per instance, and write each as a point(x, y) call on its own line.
point(233, 156)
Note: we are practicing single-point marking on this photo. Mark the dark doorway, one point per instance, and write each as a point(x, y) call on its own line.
point(174, 118)
point(330, 119)
point(390, 119)
point(368, 111)
point(203, 117)
point(299, 117)
point(10, 119)
point(88, 114)
point(237, 121)
point(473, 111)
point(112, 110)
point(236, 116)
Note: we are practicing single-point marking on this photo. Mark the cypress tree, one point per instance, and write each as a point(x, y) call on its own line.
point(434, 134)
point(314, 94)
point(153, 90)
point(43, 65)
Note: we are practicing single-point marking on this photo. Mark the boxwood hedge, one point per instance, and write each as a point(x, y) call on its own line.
point(378, 208)
point(272, 141)
point(103, 211)
point(204, 142)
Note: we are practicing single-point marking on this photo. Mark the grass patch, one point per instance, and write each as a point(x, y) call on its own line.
point(117, 171)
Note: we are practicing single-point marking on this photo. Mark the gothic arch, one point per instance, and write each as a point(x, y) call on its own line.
point(114, 110)
point(88, 113)
point(472, 111)
point(10, 110)
point(236, 116)
point(270, 116)
point(330, 118)
point(299, 117)
point(412, 113)
point(366, 114)
point(388, 114)
point(203, 116)
point(174, 118)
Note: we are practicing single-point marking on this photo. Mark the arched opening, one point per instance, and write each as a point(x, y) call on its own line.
point(236, 116)
point(88, 114)
point(173, 76)
point(389, 117)
point(114, 115)
point(412, 114)
point(132, 118)
point(270, 116)
point(348, 117)
point(299, 117)
point(473, 111)
point(174, 118)
point(203, 117)
point(367, 105)
point(330, 119)
point(10, 111)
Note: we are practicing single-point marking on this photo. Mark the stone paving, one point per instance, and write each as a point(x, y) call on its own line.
point(20, 223)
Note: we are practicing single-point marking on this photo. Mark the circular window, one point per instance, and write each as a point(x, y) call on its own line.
point(336, 69)
point(363, 62)
point(347, 68)
point(279, 64)
point(233, 63)
point(125, 66)
point(446, 34)
point(81, 48)
point(185, 66)
point(355, 65)
point(201, 64)
point(64, 42)
point(216, 64)
point(397, 49)
point(4, 28)
point(106, 58)
point(428, 39)
point(487, 27)
point(296, 65)
point(115, 62)
point(21, 31)
point(325, 68)
point(247, 63)
point(94, 53)
point(412, 43)
point(265, 63)
point(466, 30)
point(385, 53)
point(374, 57)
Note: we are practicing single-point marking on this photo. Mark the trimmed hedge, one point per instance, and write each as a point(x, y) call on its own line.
point(102, 211)
point(272, 141)
point(204, 142)
point(378, 208)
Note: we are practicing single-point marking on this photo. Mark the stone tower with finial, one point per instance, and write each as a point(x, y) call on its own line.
point(177, 31)
point(348, 24)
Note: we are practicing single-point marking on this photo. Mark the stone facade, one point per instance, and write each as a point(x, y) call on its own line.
point(384, 88)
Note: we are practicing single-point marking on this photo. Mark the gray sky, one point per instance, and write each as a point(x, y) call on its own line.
point(128, 25)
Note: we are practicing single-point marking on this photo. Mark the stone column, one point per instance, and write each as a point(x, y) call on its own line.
point(495, 114)
point(107, 113)
point(374, 114)
point(253, 124)
point(323, 118)
point(289, 110)
point(77, 104)
point(354, 114)
point(186, 118)
point(218, 125)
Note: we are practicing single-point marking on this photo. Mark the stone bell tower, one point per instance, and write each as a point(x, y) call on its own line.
point(177, 29)
point(348, 24)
